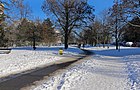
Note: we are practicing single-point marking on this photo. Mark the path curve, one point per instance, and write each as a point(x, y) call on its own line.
point(27, 79)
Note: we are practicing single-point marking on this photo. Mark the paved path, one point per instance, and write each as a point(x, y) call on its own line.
point(95, 72)
point(35, 75)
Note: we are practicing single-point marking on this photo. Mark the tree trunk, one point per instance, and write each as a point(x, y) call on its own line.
point(66, 41)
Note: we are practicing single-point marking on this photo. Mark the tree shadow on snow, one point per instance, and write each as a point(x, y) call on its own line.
point(118, 53)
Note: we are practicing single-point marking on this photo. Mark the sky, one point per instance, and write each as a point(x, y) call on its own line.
point(99, 5)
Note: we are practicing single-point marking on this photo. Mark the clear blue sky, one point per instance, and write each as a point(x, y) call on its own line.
point(98, 4)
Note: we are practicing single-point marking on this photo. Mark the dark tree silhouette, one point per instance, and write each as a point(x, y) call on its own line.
point(69, 14)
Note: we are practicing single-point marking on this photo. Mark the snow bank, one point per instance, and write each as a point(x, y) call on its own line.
point(94, 74)
point(124, 51)
point(109, 69)
point(133, 66)
point(24, 59)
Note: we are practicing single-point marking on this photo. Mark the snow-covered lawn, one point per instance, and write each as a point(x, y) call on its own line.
point(24, 59)
point(107, 70)
point(133, 66)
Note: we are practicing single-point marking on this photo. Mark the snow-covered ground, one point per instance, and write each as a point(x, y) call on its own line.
point(133, 67)
point(24, 59)
point(107, 70)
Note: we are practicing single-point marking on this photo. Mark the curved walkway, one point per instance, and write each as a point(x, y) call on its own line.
point(96, 72)
point(31, 76)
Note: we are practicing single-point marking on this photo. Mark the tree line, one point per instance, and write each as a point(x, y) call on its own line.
point(121, 21)
point(74, 19)
point(19, 29)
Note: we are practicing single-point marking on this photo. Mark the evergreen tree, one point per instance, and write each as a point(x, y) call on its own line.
point(48, 32)
point(132, 33)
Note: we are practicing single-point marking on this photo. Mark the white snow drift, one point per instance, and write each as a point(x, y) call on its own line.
point(107, 70)
point(24, 59)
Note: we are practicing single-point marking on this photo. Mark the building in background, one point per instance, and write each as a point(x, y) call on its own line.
point(59, 37)
point(1, 12)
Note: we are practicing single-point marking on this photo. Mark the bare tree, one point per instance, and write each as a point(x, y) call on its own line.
point(129, 10)
point(105, 26)
point(116, 20)
point(18, 10)
point(69, 14)
point(121, 13)
point(91, 34)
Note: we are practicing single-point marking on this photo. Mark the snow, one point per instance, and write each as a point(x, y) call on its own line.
point(107, 70)
point(90, 75)
point(133, 66)
point(124, 51)
point(23, 59)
